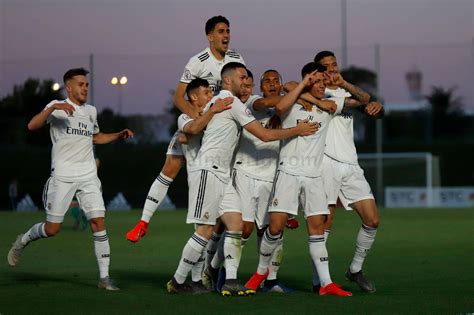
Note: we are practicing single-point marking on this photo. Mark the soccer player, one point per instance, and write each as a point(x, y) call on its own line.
point(207, 65)
point(343, 177)
point(199, 94)
point(299, 181)
point(208, 176)
point(74, 130)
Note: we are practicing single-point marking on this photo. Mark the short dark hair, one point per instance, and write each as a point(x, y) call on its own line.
point(310, 67)
point(323, 54)
point(249, 74)
point(73, 72)
point(271, 70)
point(213, 21)
point(194, 85)
point(230, 67)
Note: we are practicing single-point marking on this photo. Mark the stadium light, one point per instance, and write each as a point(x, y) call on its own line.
point(120, 83)
point(56, 86)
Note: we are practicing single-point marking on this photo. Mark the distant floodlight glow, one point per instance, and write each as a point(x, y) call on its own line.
point(56, 86)
point(114, 80)
point(123, 80)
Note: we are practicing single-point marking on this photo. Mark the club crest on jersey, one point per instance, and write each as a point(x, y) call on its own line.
point(248, 112)
point(206, 215)
point(275, 202)
point(187, 75)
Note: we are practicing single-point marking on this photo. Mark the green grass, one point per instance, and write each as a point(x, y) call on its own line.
point(422, 263)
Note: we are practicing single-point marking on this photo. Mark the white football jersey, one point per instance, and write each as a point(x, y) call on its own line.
point(205, 66)
point(302, 156)
point(72, 156)
point(191, 148)
point(340, 137)
point(220, 138)
point(255, 158)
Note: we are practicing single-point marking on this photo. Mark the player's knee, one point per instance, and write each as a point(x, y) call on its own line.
point(275, 230)
point(372, 222)
point(97, 224)
point(52, 230)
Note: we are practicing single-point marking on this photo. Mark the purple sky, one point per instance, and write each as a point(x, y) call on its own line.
point(151, 41)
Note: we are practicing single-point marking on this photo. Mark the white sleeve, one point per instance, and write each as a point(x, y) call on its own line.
point(96, 122)
point(339, 102)
point(54, 114)
point(191, 71)
point(241, 113)
point(183, 120)
point(251, 101)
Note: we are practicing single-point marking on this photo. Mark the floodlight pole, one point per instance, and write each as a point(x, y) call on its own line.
point(344, 33)
point(379, 135)
point(91, 78)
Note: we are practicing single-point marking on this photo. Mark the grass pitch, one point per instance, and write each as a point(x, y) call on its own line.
point(421, 263)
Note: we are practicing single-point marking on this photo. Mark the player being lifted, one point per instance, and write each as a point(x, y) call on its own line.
point(343, 177)
point(74, 130)
point(208, 176)
point(207, 65)
point(299, 181)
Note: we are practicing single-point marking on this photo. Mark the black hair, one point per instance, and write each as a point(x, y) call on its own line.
point(310, 67)
point(323, 54)
point(231, 66)
point(213, 21)
point(271, 70)
point(73, 72)
point(249, 74)
point(195, 84)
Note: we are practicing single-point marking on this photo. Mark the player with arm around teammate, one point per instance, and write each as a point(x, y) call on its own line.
point(299, 181)
point(74, 130)
point(343, 177)
point(208, 176)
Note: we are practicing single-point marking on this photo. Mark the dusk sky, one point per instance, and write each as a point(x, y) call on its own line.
point(151, 41)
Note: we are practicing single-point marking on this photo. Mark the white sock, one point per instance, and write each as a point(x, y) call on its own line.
point(196, 271)
point(155, 196)
point(34, 233)
point(365, 239)
point(211, 248)
point(219, 257)
point(189, 257)
point(232, 253)
point(319, 255)
point(102, 252)
point(315, 272)
point(269, 243)
point(243, 242)
point(326, 235)
point(275, 262)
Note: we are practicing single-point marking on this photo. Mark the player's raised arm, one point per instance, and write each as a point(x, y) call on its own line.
point(290, 98)
point(39, 120)
point(104, 138)
point(326, 105)
point(357, 93)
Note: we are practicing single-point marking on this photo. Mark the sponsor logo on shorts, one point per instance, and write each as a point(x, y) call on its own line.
point(105, 255)
point(206, 215)
point(229, 257)
point(324, 259)
point(275, 202)
point(49, 205)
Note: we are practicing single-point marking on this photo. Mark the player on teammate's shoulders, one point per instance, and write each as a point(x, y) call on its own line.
point(206, 65)
point(343, 177)
point(299, 181)
point(208, 178)
point(74, 130)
